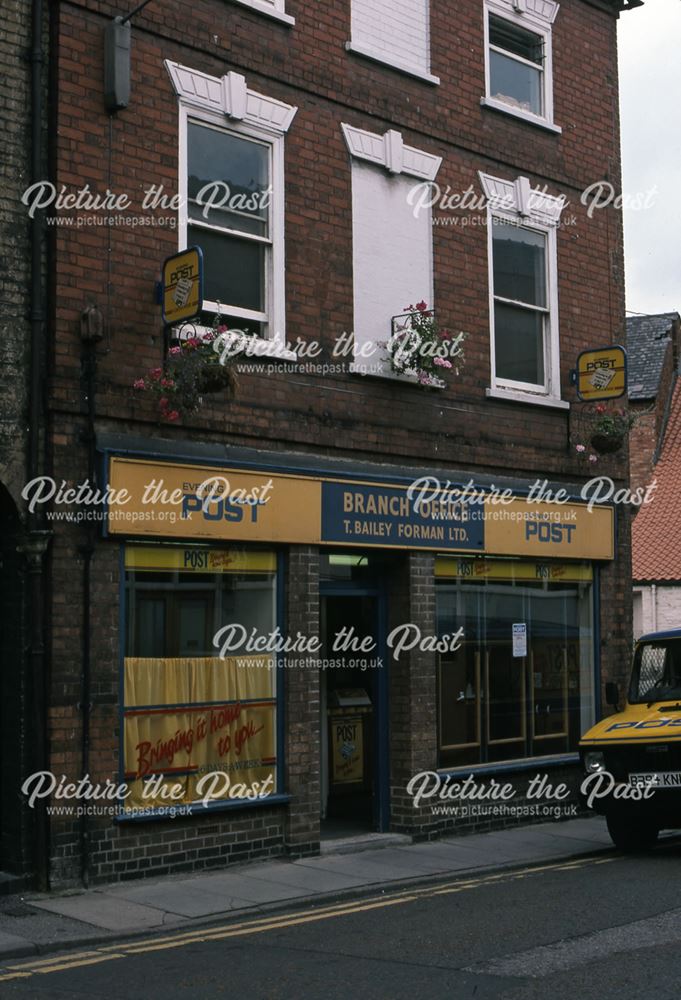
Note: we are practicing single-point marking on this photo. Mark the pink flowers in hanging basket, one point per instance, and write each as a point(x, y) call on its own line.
point(192, 368)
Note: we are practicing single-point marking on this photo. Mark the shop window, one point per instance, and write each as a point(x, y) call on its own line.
point(521, 684)
point(518, 65)
point(523, 279)
point(394, 32)
point(231, 174)
point(186, 710)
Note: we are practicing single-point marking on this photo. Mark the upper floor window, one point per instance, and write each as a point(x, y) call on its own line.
point(518, 63)
point(228, 200)
point(521, 303)
point(395, 32)
point(231, 182)
point(523, 274)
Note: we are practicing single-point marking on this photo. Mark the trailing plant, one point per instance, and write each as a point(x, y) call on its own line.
point(192, 368)
point(422, 349)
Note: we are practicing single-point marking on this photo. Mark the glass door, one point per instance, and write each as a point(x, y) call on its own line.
point(504, 674)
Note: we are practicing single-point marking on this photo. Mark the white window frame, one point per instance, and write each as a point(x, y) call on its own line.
point(273, 244)
point(536, 16)
point(516, 202)
point(271, 8)
point(227, 104)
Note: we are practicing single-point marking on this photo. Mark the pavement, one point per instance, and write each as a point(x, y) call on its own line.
point(40, 923)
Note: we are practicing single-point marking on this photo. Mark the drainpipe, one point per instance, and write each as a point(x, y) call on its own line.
point(35, 545)
point(91, 332)
point(653, 601)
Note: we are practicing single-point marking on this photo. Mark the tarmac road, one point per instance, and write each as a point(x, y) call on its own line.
point(603, 927)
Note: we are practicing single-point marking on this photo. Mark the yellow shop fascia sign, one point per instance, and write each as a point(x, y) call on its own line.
point(177, 501)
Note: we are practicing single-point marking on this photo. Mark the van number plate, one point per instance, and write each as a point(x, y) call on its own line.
point(656, 779)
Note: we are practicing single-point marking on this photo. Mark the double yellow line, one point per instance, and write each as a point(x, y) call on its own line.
point(108, 953)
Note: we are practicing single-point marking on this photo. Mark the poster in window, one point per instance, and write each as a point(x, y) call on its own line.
point(347, 737)
point(186, 718)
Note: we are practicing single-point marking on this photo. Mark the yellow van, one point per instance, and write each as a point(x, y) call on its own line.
point(632, 759)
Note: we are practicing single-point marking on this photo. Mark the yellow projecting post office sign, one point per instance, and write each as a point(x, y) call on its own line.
point(182, 286)
point(168, 500)
point(602, 373)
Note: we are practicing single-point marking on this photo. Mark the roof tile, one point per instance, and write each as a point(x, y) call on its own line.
point(647, 341)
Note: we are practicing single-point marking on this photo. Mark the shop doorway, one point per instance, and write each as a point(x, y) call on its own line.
point(354, 716)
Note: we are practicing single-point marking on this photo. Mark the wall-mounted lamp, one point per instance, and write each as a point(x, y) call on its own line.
point(91, 325)
point(117, 60)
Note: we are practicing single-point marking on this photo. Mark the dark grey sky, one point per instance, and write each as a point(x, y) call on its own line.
point(650, 94)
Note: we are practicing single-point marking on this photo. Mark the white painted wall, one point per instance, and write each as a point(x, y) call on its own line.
point(395, 29)
point(392, 254)
point(656, 607)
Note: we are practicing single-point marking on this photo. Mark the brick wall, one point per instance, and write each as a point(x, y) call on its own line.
point(14, 242)
point(616, 609)
point(647, 434)
point(17, 719)
point(302, 706)
point(457, 426)
point(413, 693)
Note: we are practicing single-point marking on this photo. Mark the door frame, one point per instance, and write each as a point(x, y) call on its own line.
point(381, 721)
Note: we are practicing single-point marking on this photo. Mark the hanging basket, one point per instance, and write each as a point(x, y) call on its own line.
point(216, 378)
point(607, 444)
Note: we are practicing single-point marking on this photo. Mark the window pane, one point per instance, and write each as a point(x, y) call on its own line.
point(551, 648)
point(506, 35)
point(519, 264)
point(519, 344)
point(515, 83)
point(150, 622)
point(250, 602)
point(505, 674)
point(193, 616)
point(233, 269)
point(230, 178)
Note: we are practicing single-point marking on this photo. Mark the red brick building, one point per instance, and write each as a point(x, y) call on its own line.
point(386, 154)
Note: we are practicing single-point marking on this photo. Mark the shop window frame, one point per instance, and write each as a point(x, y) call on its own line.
point(530, 739)
point(190, 810)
